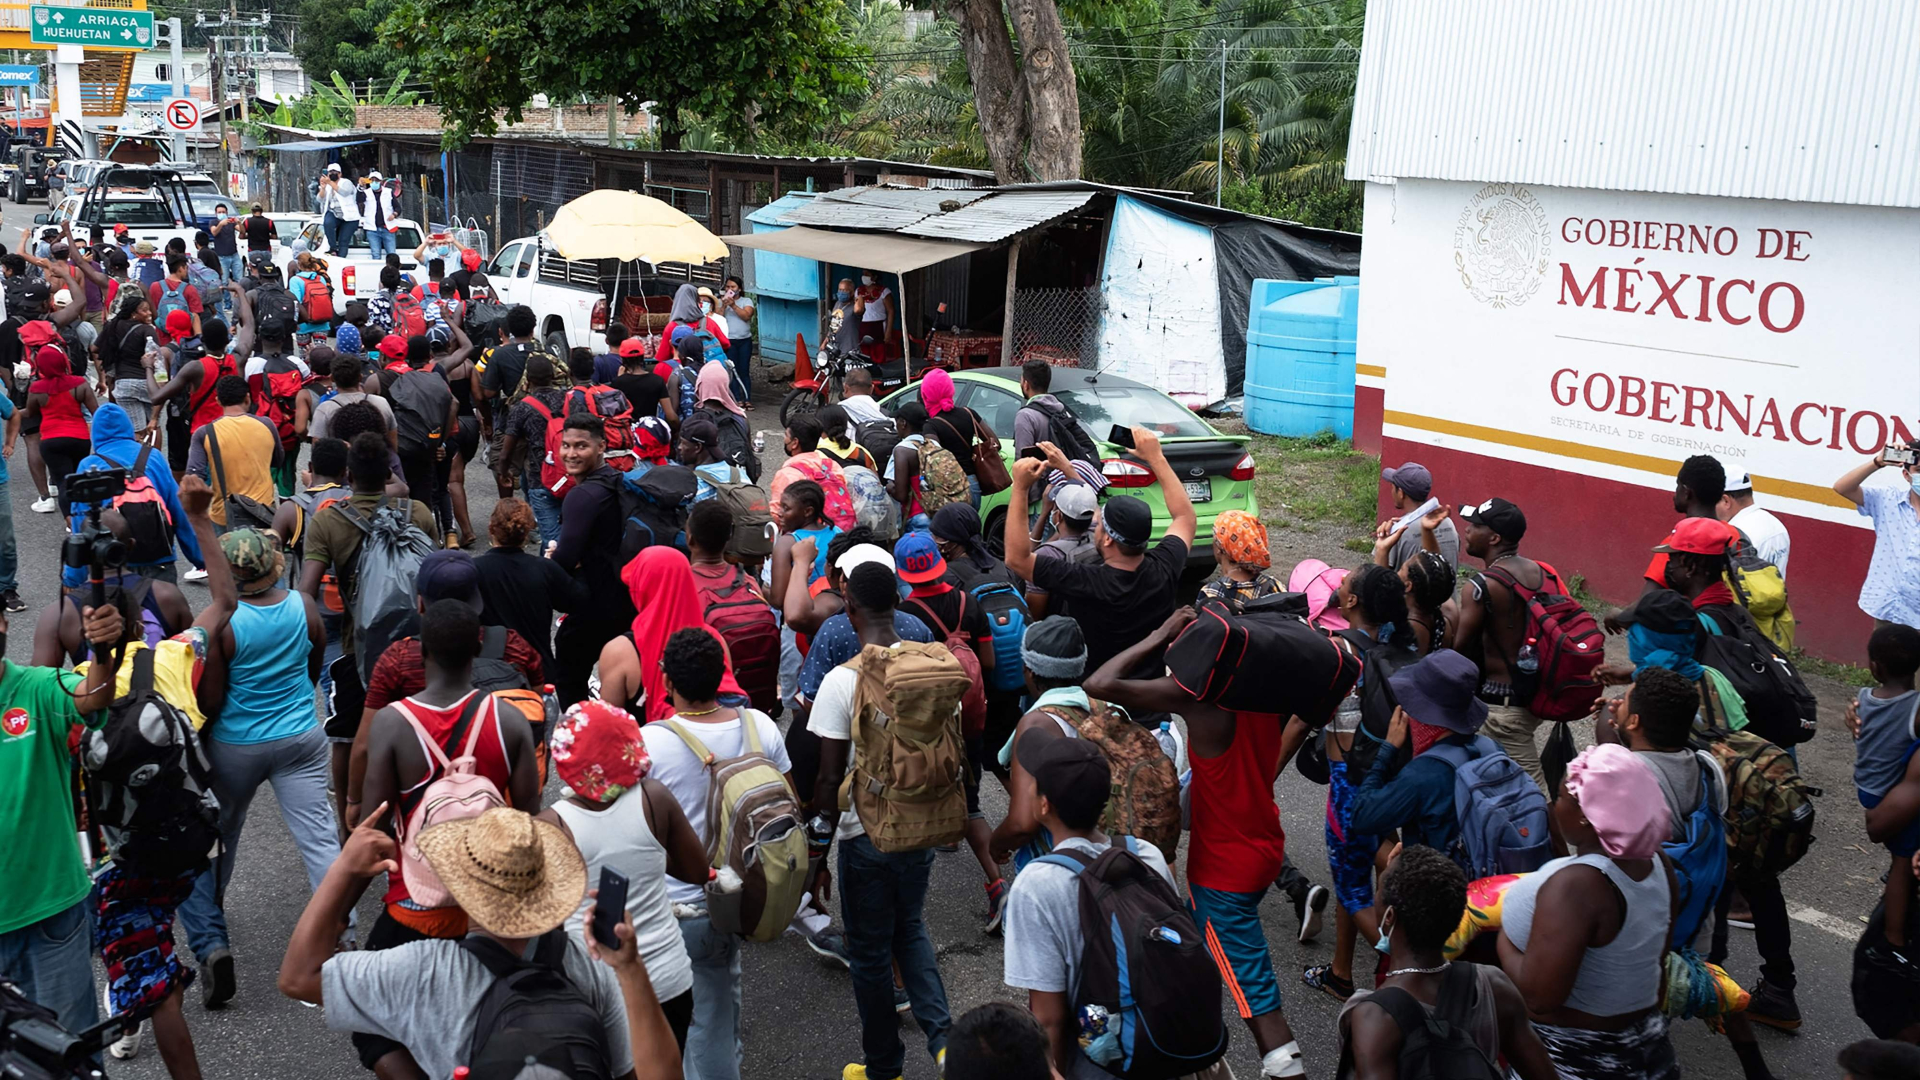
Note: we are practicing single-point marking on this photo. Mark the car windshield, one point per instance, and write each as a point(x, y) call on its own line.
point(130, 212)
point(404, 241)
point(1101, 407)
point(204, 202)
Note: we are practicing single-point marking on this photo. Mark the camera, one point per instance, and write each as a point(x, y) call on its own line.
point(1904, 456)
point(33, 1045)
point(94, 547)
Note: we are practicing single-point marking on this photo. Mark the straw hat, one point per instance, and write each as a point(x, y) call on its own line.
point(514, 876)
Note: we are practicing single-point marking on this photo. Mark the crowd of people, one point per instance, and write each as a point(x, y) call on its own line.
point(777, 683)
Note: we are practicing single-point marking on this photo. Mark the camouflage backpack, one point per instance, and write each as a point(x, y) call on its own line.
point(942, 480)
point(1145, 798)
point(1769, 805)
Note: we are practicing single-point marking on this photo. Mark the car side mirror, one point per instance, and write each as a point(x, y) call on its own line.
point(43, 219)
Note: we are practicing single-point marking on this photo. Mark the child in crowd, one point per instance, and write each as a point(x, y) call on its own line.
point(1888, 738)
point(1240, 550)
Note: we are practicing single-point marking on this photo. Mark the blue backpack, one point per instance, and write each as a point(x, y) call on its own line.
point(654, 505)
point(1699, 860)
point(1503, 815)
point(710, 348)
point(1007, 619)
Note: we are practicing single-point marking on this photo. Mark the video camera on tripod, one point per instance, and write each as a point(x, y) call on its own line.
point(33, 1045)
point(94, 547)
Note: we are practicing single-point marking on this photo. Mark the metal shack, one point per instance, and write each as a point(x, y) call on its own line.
point(1601, 238)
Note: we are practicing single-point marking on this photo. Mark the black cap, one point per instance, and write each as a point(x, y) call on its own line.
point(1129, 520)
point(36, 291)
point(261, 260)
point(1499, 515)
point(1072, 773)
point(1662, 611)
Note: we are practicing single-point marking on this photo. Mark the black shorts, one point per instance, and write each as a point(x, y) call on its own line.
point(466, 439)
point(346, 700)
point(1003, 715)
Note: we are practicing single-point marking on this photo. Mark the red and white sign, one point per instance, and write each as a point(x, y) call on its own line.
point(181, 114)
point(16, 722)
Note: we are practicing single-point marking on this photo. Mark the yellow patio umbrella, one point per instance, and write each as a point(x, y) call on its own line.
point(628, 225)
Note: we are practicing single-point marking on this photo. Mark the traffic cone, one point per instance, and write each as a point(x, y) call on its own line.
point(802, 360)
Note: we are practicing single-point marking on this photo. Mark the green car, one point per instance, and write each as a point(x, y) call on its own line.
point(1217, 469)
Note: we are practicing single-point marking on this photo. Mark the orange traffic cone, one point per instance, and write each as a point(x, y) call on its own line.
point(802, 360)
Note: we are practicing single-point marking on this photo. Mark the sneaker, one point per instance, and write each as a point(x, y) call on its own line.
point(854, 1072)
point(830, 944)
point(128, 1045)
point(44, 506)
point(217, 969)
point(1774, 1007)
point(11, 599)
point(901, 1003)
point(194, 575)
point(1311, 912)
point(996, 903)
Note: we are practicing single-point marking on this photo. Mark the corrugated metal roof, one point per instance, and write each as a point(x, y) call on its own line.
point(997, 218)
point(770, 213)
point(846, 214)
point(1808, 100)
point(925, 200)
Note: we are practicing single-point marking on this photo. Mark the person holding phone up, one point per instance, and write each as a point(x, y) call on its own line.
point(1891, 593)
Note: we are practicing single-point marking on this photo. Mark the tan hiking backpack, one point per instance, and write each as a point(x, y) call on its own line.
point(909, 764)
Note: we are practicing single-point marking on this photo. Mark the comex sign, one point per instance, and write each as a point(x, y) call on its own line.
point(95, 28)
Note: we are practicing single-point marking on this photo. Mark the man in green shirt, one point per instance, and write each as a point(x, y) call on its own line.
point(44, 944)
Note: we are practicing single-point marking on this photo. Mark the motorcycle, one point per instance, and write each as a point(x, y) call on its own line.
point(830, 370)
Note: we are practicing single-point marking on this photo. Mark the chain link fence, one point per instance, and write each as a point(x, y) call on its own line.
point(1060, 326)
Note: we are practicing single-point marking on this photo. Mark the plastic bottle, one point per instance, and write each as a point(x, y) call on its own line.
point(1527, 661)
point(1170, 741)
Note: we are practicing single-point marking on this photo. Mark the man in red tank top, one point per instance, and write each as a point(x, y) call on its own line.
point(399, 768)
point(1236, 846)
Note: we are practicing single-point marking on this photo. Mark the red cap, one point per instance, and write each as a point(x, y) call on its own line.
point(633, 346)
point(470, 259)
point(1698, 536)
point(393, 347)
point(179, 324)
point(120, 230)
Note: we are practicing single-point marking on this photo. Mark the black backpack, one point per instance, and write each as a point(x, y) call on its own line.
point(1378, 661)
point(490, 669)
point(878, 437)
point(533, 1012)
point(151, 785)
point(653, 509)
point(272, 300)
point(1146, 964)
point(420, 400)
point(1065, 432)
point(484, 321)
point(1780, 708)
point(736, 447)
point(1434, 1045)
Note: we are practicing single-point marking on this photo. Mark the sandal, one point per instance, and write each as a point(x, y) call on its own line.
point(1322, 978)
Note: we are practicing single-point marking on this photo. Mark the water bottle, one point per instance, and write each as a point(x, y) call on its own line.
point(759, 442)
point(1527, 661)
point(1169, 740)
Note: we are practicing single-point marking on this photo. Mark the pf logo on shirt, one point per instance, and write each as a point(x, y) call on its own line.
point(15, 722)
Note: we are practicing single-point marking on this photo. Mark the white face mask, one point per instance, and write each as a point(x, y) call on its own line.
point(866, 279)
point(706, 308)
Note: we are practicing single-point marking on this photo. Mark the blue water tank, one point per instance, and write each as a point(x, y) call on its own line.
point(1300, 356)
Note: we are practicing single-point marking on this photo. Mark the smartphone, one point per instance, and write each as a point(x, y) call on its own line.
point(1035, 453)
point(1121, 435)
point(1901, 455)
point(610, 907)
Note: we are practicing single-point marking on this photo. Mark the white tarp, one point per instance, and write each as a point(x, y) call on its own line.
point(1161, 319)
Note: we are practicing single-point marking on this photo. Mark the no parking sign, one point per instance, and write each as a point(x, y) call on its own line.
point(181, 114)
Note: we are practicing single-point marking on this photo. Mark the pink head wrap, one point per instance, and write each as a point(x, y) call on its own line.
point(936, 392)
point(1621, 798)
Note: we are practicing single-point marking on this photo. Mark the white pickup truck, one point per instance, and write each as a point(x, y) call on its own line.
point(356, 275)
point(573, 299)
point(152, 201)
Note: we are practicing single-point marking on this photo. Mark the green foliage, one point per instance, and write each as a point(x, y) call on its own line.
point(746, 69)
point(331, 105)
point(340, 36)
point(1320, 478)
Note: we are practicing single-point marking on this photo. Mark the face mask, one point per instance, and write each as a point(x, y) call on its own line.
point(706, 308)
point(1914, 483)
point(1386, 933)
point(866, 279)
point(845, 293)
point(1667, 575)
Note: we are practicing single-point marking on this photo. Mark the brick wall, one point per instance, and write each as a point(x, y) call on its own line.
point(577, 121)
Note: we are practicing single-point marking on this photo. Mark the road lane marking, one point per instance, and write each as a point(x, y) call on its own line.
point(1832, 924)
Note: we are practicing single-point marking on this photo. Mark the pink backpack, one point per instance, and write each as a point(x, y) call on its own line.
point(832, 481)
point(1319, 582)
point(457, 793)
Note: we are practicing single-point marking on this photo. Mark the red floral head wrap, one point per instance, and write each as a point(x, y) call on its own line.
point(597, 751)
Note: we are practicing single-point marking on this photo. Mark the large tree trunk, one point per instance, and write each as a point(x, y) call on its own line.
point(1053, 99)
point(1000, 94)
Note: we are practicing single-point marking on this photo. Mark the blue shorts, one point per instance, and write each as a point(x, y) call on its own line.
point(1231, 923)
point(1349, 854)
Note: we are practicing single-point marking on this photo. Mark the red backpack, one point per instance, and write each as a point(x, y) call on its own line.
point(553, 475)
point(1567, 645)
point(409, 319)
point(973, 704)
point(616, 412)
point(274, 392)
point(149, 522)
point(739, 613)
point(316, 300)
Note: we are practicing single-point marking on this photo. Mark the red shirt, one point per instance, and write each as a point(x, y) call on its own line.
point(158, 289)
point(400, 672)
point(1237, 843)
point(489, 752)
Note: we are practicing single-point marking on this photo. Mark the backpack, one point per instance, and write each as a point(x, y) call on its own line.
point(736, 446)
point(746, 504)
point(553, 474)
point(1436, 1045)
point(1502, 812)
point(877, 437)
point(710, 347)
point(685, 403)
point(1780, 708)
point(272, 300)
point(459, 792)
point(839, 501)
point(173, 297)
point(391, 549)
point(616, 412)
point(942, 480)
point(1146, 786)
point(872, 506)
point(316, 299)
point(311, 501)
point(149, 522)
point(973, 703)
point(148, 269)
point(491, 672)
point(1146, 963)
point(907, 779)
point(275, 393)
point(485, 319)
point(1267, 659)
point(420, 399)
point(150, 784)
point(1378, 661)
point(1007, 619)
point(1699, 858)
point(1762, 590)
point(1769, 804)
point(1567, 644)
point(409, 318)
point(534, 1012)
point(654, 508)
point(741, 616)
point(1065, 432)
point(754, 826)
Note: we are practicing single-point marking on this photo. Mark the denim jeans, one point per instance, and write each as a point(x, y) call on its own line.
point(546, 508)
point(298, 768)
point(381, 243)
point(339, 232)
point(9, 550)
point(51, 962)
point(740, 352)
point(882, 897)
point(713, 1041)
point(230, 266)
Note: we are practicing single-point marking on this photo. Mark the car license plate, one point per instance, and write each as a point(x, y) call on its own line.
point(1200, 490)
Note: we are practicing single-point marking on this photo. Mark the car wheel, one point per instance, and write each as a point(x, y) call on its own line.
point(556, 342)
point(800, 402)
point(995, 532)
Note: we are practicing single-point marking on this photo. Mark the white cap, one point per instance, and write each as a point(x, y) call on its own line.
point(861, 555)
point(1076, 501)
point(334, 167)
point(375, 175)
point(1740, 481)
point(62, 298)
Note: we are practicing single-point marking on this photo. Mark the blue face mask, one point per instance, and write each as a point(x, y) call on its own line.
point(1914, 482)
point(845, 293)
point(1385, 935)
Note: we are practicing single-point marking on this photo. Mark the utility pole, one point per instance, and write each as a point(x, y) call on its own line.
point(178, 70)
point(1220, 166)
point(227, 51)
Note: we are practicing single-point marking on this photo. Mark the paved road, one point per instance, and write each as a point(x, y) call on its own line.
point(800, 1021)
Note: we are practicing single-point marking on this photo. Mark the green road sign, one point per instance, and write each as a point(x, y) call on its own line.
point(95, 28)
